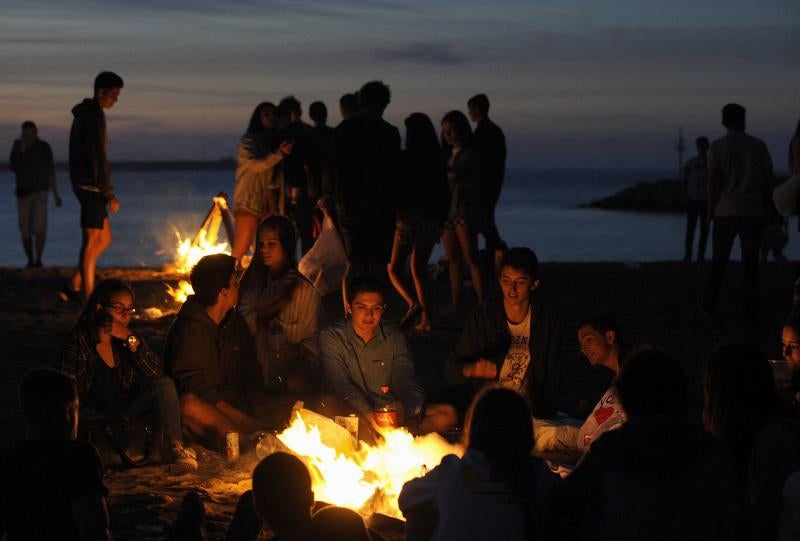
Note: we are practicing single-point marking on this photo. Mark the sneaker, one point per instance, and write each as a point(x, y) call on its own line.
point(184, 460)
point(68, 294)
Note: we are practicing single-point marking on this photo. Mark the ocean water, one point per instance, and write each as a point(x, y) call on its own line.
point(538, 208)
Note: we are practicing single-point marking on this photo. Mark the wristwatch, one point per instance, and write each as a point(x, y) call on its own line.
point(132, 342)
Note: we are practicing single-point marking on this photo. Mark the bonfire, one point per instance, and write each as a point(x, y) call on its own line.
point(204, 242)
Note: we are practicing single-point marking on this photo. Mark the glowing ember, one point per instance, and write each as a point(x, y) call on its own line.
point(368, 480)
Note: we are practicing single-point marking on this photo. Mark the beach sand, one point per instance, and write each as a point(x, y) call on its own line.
point(654, 302)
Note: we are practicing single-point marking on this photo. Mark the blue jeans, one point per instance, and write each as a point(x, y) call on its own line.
point(159, 397)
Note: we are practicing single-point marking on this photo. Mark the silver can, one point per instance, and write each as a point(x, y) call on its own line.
point(232, 446)
point(350, 423)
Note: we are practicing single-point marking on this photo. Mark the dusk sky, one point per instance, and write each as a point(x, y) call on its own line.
point(573, 83)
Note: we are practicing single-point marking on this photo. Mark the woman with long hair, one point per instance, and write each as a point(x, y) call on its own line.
point(496, 491)
point(743, 408)
point(463, 218)
point(259, 183)
point(421, 211)
point(117, 373)
point(283, 311)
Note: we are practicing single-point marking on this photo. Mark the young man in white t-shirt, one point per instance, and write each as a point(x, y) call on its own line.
point(511, 340)
point(599, 340)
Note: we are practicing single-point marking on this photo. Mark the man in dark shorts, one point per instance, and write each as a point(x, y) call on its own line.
point(32, 162)
point(90, 174)
point(364, 158)
point(51, 485)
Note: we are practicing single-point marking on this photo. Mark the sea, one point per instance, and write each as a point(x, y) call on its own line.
point(538, 208)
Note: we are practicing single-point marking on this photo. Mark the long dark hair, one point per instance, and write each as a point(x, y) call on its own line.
point(461, 126)
point(257, 272)
point(103, 291)
point(420, 134)
point(499, 425)
point(255, 125)
point(740, 397)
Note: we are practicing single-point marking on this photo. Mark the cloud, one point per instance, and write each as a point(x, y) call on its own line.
point(435, 53)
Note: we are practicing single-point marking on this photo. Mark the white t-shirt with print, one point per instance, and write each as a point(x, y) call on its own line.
point(606, 415)
point(515, 366)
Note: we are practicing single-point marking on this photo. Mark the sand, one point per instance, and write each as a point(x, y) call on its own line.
point(654, 303)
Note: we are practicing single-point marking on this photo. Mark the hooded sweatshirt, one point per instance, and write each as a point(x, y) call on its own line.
point(88, 165)
point(214, 362)
point(655, 477)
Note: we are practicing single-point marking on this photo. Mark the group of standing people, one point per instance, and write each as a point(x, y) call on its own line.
point(389, 203)
point(729, 185)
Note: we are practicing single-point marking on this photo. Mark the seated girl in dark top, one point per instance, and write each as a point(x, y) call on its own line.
point(117, 374)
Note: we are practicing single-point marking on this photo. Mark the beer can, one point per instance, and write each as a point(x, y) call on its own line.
point(350, 423)
point(385, 417)
point(232, 446)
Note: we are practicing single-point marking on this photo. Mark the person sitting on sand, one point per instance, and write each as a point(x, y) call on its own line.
point(743, 408)
point(281, 501)
point(210, 354)
point(790, 351)
point(117, 373)
point(283, 311)
point(368, 366)
point(658, 476)
point(334, 523)
point(497, 490)
point(599, 338)
point(51, 486)
point(513, 340)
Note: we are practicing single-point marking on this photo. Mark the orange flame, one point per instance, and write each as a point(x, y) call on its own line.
point(369, 479)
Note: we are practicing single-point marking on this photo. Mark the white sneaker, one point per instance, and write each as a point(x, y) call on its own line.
point(184, 460)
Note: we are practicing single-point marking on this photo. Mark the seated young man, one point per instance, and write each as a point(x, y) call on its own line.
point(368, 366)
point(51, 486)
point(210, 354)
point(512, 340)
point(599, 338)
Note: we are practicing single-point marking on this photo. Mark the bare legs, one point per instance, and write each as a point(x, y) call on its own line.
point(459, 242)
point(419, 259)
point(94, 243)
point(246, 226)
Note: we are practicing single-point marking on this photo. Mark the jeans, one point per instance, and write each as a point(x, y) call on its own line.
point(726, 229)
point(696, 210)
point(160, 397)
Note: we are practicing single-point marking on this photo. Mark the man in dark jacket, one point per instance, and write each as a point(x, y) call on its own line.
point(490, 143)
point(210, 354)
point(365, 151)
point(295, 169)
point(513, 340)
point(90, 174)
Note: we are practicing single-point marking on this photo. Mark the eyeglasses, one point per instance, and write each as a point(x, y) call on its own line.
point(120, 308)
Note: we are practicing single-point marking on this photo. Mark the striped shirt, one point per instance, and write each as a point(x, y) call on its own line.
point(289, 338)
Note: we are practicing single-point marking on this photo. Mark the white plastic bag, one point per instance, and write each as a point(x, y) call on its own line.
point(324, 264)
point(785, 196)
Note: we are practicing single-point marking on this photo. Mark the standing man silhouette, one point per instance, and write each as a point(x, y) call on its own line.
point(90, 174)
